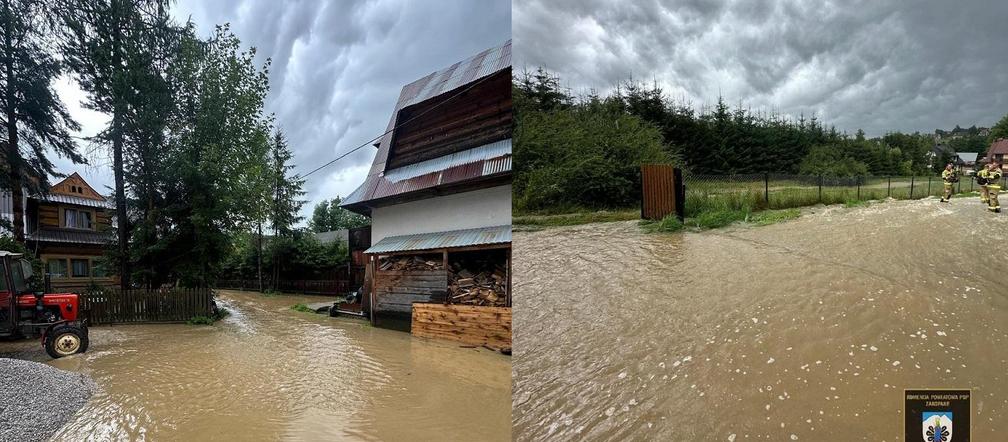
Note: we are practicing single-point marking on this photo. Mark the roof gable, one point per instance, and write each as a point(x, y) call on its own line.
point(450, 79)
point(74, 185)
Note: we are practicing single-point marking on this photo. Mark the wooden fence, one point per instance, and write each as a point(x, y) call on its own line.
point(304, 286)
point(661, 191)
point(117, 306)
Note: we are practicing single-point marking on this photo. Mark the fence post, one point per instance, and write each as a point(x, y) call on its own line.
point(859, 188)
point(766, 188)
point(929, 185)
point(820, 188)
point(911, 186)
point(888, 190)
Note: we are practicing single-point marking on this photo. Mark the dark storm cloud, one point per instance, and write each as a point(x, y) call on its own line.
point(338, 66)
point(880, 66)
point(337, 69)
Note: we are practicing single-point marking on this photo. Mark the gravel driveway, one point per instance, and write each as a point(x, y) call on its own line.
point(38, 399)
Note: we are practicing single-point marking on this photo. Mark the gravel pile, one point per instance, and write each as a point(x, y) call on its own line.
point(36, 399)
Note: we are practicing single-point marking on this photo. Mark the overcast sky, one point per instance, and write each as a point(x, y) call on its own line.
point(337, 70)
point(877, 65)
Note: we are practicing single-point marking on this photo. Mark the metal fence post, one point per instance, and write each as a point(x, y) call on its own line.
point(859, 188)
point(888, 190)
point(820, 188)
point(911, 186)
point(766, 188)
point(929, 185)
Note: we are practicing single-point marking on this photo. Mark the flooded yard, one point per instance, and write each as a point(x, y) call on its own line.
point(806, 330)
point(270, 373)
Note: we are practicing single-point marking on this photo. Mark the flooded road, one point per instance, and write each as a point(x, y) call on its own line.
point(805, 330)
point(270, 373)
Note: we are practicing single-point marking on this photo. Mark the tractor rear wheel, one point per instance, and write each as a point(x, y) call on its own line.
point(65, 340)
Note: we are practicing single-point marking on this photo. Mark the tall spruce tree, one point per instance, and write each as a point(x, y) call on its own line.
point(286, 195)
point(35, 121)
point(101, 40)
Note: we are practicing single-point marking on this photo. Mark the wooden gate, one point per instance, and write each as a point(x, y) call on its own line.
point(662, 191)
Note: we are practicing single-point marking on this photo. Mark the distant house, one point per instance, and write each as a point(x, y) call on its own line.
point(939, 151)
point(998, 152)
point(439, 189)
point(68, 229)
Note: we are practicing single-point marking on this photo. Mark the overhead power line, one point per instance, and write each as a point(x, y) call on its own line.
point(398, 125)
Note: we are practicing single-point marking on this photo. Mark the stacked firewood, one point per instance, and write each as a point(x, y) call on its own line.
point(485, 287)
point(395, 263)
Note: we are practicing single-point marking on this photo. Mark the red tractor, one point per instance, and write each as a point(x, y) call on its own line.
point(24, 314)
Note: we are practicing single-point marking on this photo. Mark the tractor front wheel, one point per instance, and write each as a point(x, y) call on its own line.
point(65, 340)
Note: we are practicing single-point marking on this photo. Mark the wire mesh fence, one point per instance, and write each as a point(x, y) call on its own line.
point(782, 191)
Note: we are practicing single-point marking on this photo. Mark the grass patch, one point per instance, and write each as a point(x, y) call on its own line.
point(209, 320)
point(302, 308)
point(768, 217)
point(717, 218)
point(855, 203)
point(572, 219)
point(666, 225)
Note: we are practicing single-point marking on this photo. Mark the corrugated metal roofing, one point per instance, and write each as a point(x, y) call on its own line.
point(485, 152)
point(69, 236)
point(69, 199)
point(484, 64)
point(443, 240)
point(459, 74)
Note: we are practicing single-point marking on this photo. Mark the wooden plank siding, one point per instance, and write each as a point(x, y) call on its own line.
point(479, 116)
point(467, 324)
point(116, 306)
point(396, 291)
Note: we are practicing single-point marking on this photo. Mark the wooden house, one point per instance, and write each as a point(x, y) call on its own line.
point(68, 230)
point(439, 195)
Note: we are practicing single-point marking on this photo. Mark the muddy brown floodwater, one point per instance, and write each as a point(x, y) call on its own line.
point(270, 373)
point(804, 330)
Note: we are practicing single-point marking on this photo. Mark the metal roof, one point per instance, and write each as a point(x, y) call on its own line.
point(457, 75)
point(479, 162)
point(968, 157)
point(69, 199)
point(69, 236)
point(481, 153)
point(484, 64)
point(443, 240)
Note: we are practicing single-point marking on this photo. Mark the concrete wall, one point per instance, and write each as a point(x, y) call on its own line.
point(479, 208)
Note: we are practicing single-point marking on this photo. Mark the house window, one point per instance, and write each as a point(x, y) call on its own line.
point(77, 219)
point(80, 267)
point(57, 268)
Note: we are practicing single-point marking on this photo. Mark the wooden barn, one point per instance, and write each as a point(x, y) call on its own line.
point(439, 198)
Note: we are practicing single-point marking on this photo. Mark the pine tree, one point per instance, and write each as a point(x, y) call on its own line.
point(101, 39)
point(34, 119)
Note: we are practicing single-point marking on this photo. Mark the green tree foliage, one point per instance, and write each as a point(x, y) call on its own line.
point(583, 151)
point(583, 154)
point(35, 121)
point(826, 160)
point(1000, 130)
point(297, 256)
point(107, 45)
point(286, 190)
point(328, 216)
